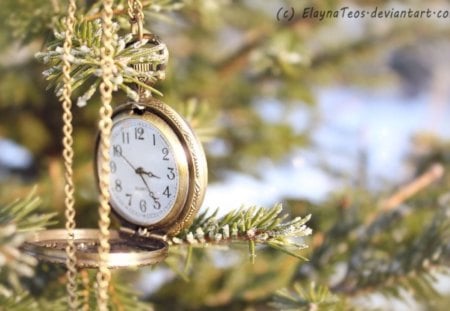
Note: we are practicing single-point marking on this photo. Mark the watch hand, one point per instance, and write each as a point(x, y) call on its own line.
point(152, 195)
point(129, 163)
point(141, 171)
point(138, 170)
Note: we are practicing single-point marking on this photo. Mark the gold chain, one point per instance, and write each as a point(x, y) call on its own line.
point(68, 154)
point(105, 125)
point(136, 16)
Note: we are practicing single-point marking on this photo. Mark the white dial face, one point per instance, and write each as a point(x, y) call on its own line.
point(144, 180)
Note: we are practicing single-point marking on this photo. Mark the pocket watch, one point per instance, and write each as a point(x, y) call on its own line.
point(158, 168)
point(157, 184)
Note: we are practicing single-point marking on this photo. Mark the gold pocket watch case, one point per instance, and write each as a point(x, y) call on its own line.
point(126, 250)
point(157, 184)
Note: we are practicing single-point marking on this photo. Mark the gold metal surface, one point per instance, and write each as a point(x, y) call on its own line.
point(107, 67)
point(68, 154)
point(126, 250)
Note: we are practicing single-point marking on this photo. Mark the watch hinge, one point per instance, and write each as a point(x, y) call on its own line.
point(127, 230)
point(138, 109)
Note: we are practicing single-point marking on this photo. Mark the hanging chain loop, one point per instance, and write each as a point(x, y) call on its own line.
point(68, 154)
point(105, 125)
point(136, 15)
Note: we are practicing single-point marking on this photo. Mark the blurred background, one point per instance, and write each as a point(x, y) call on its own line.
point(327, 116)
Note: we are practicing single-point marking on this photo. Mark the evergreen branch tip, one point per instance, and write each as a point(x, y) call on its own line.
point(254, 225)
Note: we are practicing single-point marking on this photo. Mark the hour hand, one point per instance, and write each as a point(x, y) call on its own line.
point(141, 171)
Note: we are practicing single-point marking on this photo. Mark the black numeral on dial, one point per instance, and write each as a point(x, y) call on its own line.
point(139, 133)
point(156, 205)
point(125, 137)
point(167, 192)
point(171, 174)
point(117, 150)
point(129, 196)
point(118, 185)
point(112, 166)
point(143, 206)
point(165, 152)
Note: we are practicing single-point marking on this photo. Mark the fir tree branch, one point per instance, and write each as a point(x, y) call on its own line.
point(385, 218)
point(16, 219)
point(374, 266)
point(150, 6)
point(201, 117)
point(410, 267)
point(85, 59)
point(430, 176)
point(19, 302)
point(250, 225)
point(313, 298)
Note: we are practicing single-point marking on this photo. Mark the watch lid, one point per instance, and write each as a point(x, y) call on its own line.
point(125, 250)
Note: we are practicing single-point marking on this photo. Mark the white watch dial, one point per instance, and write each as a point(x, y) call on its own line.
point(144, 178)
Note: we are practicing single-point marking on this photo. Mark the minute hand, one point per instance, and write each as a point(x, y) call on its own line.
point(152, 195)
point(129, 163)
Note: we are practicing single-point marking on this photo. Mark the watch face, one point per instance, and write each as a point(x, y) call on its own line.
point(148, 170)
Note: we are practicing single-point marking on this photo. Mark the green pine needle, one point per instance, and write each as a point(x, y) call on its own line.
point(312, 298)
point(252, 225)
point(16, 219)
point(86, 61)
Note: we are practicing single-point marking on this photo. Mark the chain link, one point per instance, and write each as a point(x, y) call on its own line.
point(105, 125)
point(136, 15)
point(85, 282)
point(68, 154)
